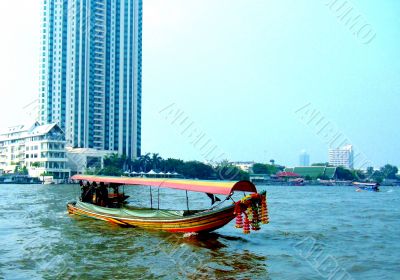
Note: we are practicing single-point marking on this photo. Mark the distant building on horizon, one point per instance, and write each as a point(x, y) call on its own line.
point(343, 156)
point(304, 159)
point(91, 72)
point(314, 172)
point(244, 165)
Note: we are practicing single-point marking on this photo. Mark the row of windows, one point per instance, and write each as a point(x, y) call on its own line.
point(56, 165)
point(33, 148)
point(53, 155)
point(31, 156)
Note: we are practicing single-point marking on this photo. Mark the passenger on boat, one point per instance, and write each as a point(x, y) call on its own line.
point(87, 193)
point(103, 195)
point(96, 194)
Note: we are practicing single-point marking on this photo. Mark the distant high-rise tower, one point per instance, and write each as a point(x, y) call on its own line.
point(91, 72)
point(304, 158)
point(342, 157)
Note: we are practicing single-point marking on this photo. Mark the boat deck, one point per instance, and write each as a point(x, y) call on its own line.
point(129, 211)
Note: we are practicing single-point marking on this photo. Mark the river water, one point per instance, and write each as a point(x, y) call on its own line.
point(314, 233)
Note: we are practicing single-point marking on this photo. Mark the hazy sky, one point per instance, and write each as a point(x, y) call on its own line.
point(241, 72)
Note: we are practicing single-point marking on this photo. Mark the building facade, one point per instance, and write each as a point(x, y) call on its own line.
point(81, 160)
point(304, 159)
point(313, 172)
point(244, 165)
point(343, 156)
point(53, 63)
point(38, 148)
point(91, 72)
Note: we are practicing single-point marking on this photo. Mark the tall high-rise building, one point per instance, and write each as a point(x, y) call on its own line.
point(91, 72)
point(343, 156)
point(53, 63)
point(304, 158)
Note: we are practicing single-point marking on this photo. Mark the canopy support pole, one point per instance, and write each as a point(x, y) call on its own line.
point(151, 199)
point(187, 201)
point(158, 199)
point(226, 199)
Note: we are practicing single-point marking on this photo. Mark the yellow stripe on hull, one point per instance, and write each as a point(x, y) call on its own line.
point(201, 222)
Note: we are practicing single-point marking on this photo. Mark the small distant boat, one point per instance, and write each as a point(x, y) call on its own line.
point(101, 199)
point(19, 180)
point(296, 182)
point(326, 182)
point(373, 187)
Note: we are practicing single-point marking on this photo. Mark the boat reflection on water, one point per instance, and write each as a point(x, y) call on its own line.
point(213, 256)
point(156, 254)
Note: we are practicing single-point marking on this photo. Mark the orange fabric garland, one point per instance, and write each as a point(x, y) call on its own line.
point(254, 208)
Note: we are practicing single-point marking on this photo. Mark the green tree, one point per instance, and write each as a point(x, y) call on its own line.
point(379, 180)
point(173, 165)
point(114, 165)
point(243, 175)
point(145, 162)
point(344, 174)
point(359, 174)
point(198, 170)
point(115, 160)
point(24, 171)
point(156, 161)
point(111, 171)
point(21, 170)
point(134, 165)
point(278, 168)
point(378, 176)
point(326, 164)
point(227, 171)
point(259, 168)
point(370, 171)
point(389, 171)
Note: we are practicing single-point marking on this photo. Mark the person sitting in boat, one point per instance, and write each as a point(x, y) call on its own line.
point(84, 189)
point(96, 194)
point(103, 195)
point(87, 193)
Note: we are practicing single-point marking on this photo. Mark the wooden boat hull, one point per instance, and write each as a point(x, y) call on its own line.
point(206, 221)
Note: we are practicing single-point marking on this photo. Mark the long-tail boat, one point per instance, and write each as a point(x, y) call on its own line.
point(373, 187)
point(101, 199)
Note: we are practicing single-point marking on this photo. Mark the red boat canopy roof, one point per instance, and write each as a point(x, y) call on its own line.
point(213, 187)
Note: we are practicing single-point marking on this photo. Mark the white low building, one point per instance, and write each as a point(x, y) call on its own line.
point(244, 165)
point(38, 148)
point(343, 156)
point(81, 160)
